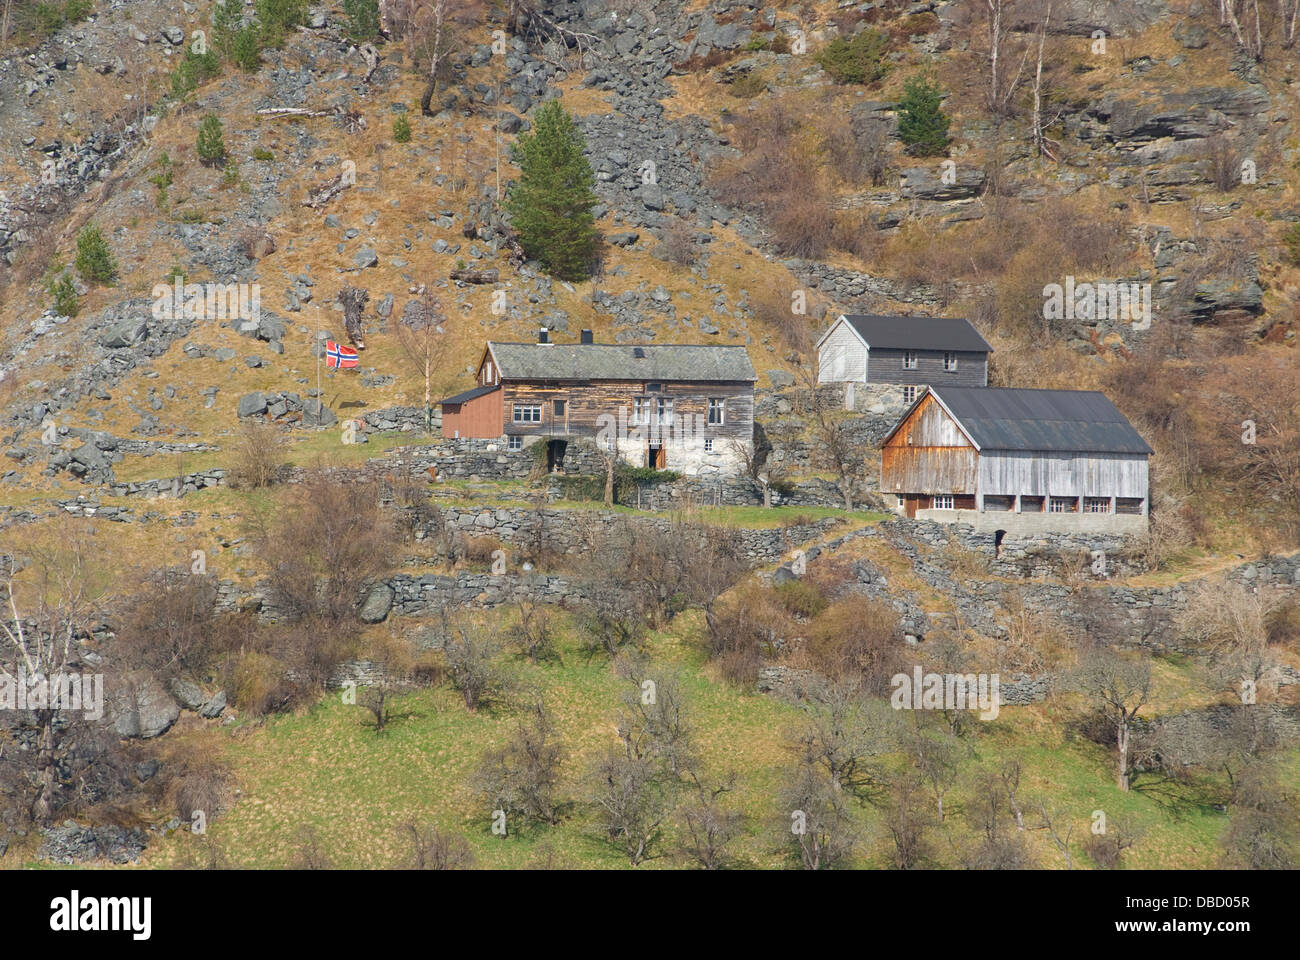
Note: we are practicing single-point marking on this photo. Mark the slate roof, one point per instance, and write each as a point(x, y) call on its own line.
point(609, 361)
point(918, 333)
point(471, 394)
point(1003, 418)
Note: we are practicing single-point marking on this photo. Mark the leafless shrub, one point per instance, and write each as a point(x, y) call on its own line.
point(322, 543)
point(259, 456)
point(435, 849)
point(167, 626)
point(1107, 849)
point(677, 243)
point(197, 780)
point(533, 634)
point(312, 852)
point(473, 666)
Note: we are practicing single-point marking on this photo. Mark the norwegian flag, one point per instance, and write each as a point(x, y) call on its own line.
point(337, 355)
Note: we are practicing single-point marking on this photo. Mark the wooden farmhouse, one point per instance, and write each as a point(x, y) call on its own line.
point(885, 362)
point(1017, 461)
point(688, 408)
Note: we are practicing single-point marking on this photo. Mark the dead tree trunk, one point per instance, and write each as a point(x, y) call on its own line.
point(353, 300)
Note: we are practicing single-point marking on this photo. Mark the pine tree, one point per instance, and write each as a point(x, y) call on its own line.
point(94, 260)
point(550, 205)
point(922, 124)
point(64, 291)
point(363, 20)
point(211, 146)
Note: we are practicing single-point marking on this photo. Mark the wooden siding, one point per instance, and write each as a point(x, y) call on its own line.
point(939, 458)
point(1063, 474)
point(585, 403)
point(886, 366)
point(842, 357)
point(480, 417)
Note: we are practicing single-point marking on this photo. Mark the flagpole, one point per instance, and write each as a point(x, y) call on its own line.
point(320, 348)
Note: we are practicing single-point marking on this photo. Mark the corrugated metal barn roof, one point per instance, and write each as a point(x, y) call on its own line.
point(608, 361)
point(1080, 421)
point(918, 333)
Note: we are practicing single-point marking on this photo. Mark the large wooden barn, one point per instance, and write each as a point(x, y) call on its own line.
point(885, 362)
point(688, 408)
point(1019, 461)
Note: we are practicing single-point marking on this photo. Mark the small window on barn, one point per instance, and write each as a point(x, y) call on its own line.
point(950, 361)
point(1128, 504)
point(1096, 505)
point(1064, 505)
point(487, 372)
point(708, 444)
point(909, 359)
point(516, 443)
point(943, 501)
point(528, 413)
point(902, 501)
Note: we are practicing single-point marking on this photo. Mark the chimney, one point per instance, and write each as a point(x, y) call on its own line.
point(543, 336)
point(586, 337)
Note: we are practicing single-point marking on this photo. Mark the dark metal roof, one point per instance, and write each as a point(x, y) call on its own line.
point(609, 361)
point(918, 333)
point(471, 394)
point(1079, 421)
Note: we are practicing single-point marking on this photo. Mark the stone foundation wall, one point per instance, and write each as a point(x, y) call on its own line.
point(1037, 524)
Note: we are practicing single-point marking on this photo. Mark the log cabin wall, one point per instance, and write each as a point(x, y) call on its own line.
point(583, 404)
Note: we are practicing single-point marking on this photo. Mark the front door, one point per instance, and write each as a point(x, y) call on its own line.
point(656, 458)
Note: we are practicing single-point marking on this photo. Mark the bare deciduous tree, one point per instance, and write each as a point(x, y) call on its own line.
point(706, 827)
point(425, 344)
point(1121, 686)
point(633, 802)
point(55, 589)
point(523, 777)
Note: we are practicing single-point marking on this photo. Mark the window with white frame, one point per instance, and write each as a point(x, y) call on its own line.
point(640, 410)
point(487, 372)
point(909, 394)
point(528, 413)
point(909, 359)
point(950, 361)
point(717, 411)
point(1096, 505)
point(943, 501)
point(1061, 505)
point(516, 443)
point(708, 444)
point(663, 412)
point(902, 502)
